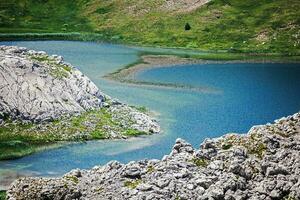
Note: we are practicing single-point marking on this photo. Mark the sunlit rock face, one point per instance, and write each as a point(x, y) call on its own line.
point(183, 5)
point(38, 87)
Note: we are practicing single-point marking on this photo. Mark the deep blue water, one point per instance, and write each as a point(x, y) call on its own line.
point(241, 96)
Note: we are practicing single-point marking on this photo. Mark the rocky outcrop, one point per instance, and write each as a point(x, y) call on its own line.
point(56, 99)
point(263, 164)
point(38, 87)
point(183, 5)
point(140, 8)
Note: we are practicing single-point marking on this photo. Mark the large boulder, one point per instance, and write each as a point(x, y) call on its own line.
point(38, 87)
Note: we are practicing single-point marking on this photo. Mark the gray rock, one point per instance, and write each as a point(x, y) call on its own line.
point(35, 87)
point(162, 183)
point(275, 170)
point(144, 187)
point(133, 172)
point(231, 174)
point(215, 193)
point(36, 90)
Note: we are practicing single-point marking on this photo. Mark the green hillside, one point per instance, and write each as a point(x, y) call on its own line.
point(234, 25)
point(41, 16)
point(2, 195)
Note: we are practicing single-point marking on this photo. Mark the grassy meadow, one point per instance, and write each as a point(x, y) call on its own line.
point(263, 26)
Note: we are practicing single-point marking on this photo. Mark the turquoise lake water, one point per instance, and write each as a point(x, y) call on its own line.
point(240, 96)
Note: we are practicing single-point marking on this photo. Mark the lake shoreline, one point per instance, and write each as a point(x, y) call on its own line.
point(226, 54)
point(238, 164)
point(91, 115)
point(149, 61)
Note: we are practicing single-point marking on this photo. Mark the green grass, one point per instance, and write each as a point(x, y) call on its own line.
point(134, 132)
point(98, 134)
point(223, 25)
point(80, 36)
point(74, 179)
point(252, 143)
point(142, 109)
point(19, 16)
point(56, 70)
point(231, 25)
point(2, 195)
point(14, 144)
point(18, 139)
point(259, 150)
point(40, 58)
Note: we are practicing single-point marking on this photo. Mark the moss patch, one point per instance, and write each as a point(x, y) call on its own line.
point(57, 70)
point(132, 184)
point(251, 142)
point(134, 132)
point(74, 179)
point(150, 169)
point(258, 150)
point(289, 197)
point(200, 162)
point(142, 109)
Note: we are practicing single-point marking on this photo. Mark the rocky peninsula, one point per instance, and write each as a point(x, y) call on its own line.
point(44, 99)
point(262, 164)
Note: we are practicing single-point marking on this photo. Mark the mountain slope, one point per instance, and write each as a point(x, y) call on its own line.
point(249, 25)
point(41, 16)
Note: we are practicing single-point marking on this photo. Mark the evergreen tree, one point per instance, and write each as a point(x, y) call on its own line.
point(187, 27)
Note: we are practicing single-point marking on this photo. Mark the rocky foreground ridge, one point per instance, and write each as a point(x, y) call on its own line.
point(262, 164)
point(56, 100)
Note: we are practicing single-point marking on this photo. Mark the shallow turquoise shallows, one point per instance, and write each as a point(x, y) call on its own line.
point(236, 97)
